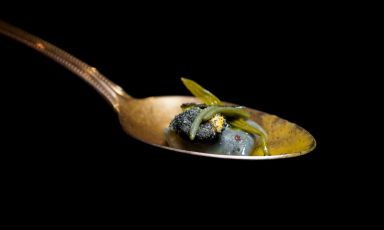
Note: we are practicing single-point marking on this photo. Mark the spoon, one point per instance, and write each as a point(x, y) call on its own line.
point(145, 119)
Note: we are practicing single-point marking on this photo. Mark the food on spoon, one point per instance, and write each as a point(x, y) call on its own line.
point(214, 127)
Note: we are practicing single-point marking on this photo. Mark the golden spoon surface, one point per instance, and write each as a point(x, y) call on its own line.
point(145, 119)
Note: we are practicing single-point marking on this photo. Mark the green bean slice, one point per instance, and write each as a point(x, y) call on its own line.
point(243, 125)
point(227, 111)
point(196, 123)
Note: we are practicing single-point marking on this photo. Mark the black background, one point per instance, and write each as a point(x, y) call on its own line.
point(57, 126)
point(62, 145)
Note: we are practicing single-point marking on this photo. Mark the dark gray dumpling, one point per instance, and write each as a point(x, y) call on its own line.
point(181, 124)
point(230, 142)
point(235, 142)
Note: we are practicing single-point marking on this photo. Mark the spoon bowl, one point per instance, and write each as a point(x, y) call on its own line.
point(145, 119)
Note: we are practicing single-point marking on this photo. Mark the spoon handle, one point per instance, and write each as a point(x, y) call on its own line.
point(104, 86)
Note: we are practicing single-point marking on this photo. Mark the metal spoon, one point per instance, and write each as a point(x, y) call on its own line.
point(145, 119)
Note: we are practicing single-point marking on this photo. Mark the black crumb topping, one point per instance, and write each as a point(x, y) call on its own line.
point(181, 124)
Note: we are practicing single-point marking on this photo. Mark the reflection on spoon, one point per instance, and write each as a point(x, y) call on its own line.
point(145, 119)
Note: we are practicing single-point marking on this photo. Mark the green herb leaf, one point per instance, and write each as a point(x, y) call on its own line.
point(198, 91)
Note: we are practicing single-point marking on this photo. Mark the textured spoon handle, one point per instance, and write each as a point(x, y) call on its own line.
point(90, 74)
